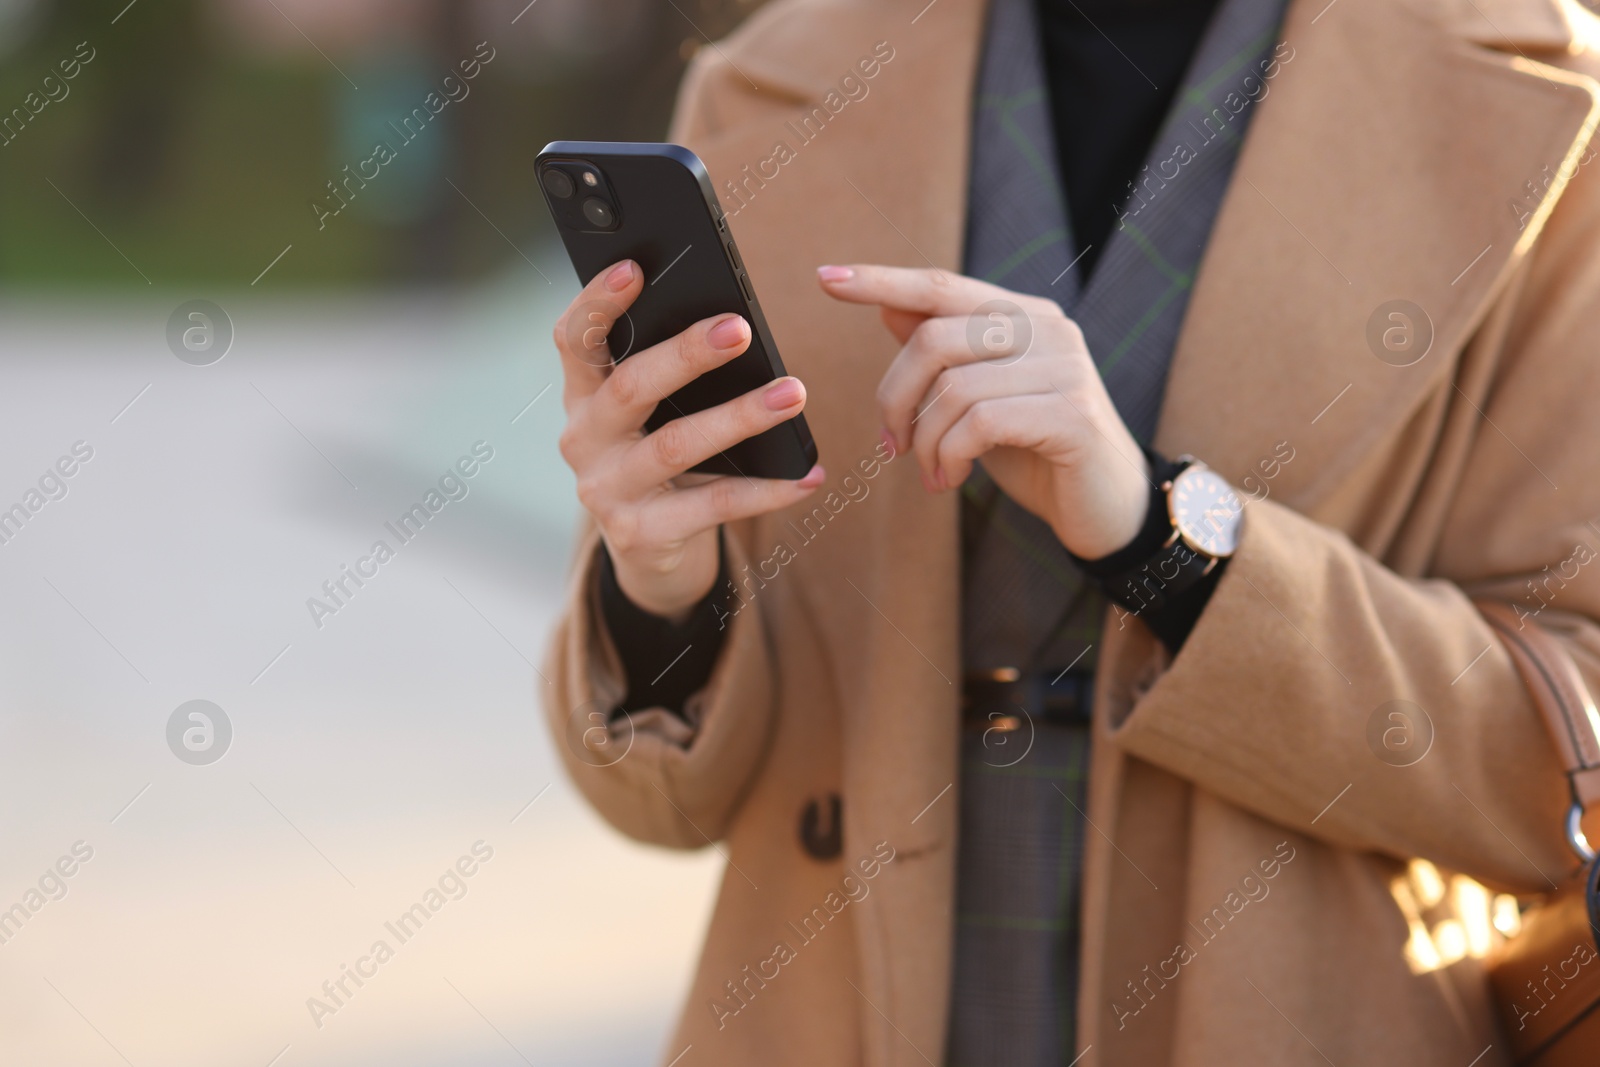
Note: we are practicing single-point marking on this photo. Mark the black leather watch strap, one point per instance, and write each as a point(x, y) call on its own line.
point(1156, 576)
point(1153, 586)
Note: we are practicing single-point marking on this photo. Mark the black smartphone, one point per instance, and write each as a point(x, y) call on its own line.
point(655, 204)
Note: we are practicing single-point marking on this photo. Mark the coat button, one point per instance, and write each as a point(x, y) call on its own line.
point(822, 842)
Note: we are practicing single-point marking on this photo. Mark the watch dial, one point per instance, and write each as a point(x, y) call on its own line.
point(1206, 511)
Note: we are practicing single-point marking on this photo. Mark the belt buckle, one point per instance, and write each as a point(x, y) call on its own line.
point(985, 692)
point(1002, 698)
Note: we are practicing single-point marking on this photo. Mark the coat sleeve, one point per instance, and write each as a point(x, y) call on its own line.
point(1280, 699)
point(659, 778)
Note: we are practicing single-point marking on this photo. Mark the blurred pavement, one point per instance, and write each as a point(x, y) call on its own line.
point(367, 755)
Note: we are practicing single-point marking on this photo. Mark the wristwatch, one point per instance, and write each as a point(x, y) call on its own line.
point(1203, 512)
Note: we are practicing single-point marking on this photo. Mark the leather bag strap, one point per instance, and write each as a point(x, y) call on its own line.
point(1563, 698)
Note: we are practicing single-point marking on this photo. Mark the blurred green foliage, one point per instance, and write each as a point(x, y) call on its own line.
point(197, 157)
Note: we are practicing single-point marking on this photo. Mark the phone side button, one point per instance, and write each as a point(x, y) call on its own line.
point(744, 283)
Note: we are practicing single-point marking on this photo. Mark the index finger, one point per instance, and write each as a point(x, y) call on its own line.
point(583, 332)
point(934, 293)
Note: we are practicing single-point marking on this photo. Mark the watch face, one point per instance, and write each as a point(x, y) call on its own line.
point(1206, 511)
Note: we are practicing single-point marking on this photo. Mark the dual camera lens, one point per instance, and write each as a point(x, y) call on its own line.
point(564, 181)
point(559, 183)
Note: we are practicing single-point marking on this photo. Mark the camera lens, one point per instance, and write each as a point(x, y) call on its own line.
point(599, 212)
point(558, 183)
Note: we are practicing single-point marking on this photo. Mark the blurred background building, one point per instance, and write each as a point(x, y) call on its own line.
point(240, 462)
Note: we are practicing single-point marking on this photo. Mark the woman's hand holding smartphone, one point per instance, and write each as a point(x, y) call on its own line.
point(659, 522)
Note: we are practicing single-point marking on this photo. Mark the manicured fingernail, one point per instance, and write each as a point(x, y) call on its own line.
point(783, 393)
point(927, 482)
point(888, 439)
point(731, 331)
point(620, 277)
point(835, 274)
point(813, 477)
point(938, 478)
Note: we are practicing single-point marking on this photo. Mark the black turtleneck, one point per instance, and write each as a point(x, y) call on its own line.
point(1114, 67)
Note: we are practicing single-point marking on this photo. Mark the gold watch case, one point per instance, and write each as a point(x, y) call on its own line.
point(1204, 510)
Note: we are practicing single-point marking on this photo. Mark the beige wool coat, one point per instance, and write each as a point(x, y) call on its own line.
point(1240, 879)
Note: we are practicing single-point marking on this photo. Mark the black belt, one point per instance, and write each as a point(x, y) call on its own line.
point(1000, 699)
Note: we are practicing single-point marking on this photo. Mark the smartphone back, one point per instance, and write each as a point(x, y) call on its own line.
point(663, 214)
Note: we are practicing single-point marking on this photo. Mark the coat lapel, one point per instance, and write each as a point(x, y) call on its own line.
point(879, 176)
point(883, 181)
point(1401, 165)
